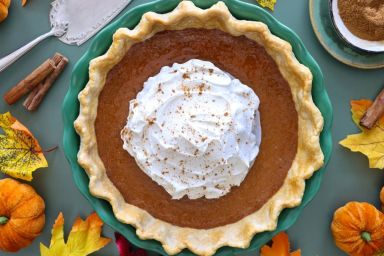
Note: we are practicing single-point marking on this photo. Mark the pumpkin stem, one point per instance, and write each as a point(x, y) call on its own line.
point(366, 236)
point(3, 220)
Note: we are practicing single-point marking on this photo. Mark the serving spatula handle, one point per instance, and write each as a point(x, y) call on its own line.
point(11, 58)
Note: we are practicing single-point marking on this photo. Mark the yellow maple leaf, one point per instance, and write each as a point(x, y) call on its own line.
point(280, 247)
point(370, 142)
point(83, 239)
point(20, 153)
point(267, 3)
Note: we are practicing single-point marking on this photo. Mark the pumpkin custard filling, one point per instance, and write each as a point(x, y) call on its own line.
point(198, 128)
point(277, 113)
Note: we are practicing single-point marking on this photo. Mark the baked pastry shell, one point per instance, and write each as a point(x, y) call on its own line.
point(308, 159)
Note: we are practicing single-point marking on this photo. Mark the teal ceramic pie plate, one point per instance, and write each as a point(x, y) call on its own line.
point(101, 43)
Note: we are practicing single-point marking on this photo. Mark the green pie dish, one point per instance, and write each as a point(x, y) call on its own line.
point(99, 46)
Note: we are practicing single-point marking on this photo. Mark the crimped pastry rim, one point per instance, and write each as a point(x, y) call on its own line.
point(309, 156)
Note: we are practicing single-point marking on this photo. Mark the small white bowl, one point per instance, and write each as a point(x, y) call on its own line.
point(347, 36)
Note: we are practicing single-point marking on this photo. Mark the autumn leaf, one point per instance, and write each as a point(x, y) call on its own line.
point(370, 142)
point(280, 247)
point(83, 239)
point(126, 249)
point(20, 153)
point(267, 3)
point(23, 2)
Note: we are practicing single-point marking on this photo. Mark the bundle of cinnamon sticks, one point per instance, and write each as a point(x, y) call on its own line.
point(37, 83)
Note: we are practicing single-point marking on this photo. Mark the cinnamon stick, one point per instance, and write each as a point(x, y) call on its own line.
point(374, 112)
point(56, 59)
point(32, 95)
point(30, 82)
point(38, 94)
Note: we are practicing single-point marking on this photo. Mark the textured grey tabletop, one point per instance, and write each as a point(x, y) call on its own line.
point(347, 178)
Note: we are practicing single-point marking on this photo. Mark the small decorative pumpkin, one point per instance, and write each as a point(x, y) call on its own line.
point(358, 229)
point(22, 215)
point(4, 5)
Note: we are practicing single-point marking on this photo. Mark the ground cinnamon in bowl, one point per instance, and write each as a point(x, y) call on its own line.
point(363, 18)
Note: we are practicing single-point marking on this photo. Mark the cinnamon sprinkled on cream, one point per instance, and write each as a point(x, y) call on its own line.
point(194, 129)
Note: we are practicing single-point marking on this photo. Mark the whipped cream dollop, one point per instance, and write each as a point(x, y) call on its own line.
point(194, 129)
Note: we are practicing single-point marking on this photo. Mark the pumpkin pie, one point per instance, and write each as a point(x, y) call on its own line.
point(198, 128)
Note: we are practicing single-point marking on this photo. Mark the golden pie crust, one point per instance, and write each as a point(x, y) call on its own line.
point(308, 159)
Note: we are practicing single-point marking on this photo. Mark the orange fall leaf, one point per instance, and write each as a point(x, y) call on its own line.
point(84, 238)
point(280, 247)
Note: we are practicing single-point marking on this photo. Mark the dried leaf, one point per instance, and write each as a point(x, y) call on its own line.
point(267, 3)
point(369, 142)
point(20, 152)
point(23, 2)
point(280, 247)
point(126, 249)
point(83, 239)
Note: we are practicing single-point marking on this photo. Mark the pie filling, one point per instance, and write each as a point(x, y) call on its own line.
point(194, 129)
point(148, 126)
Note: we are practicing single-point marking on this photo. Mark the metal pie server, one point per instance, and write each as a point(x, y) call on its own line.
point(74, 22)
point(58, 29)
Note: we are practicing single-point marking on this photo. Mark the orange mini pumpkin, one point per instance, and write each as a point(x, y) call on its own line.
point(4, 6)
point(22, 215)
point(358, 229)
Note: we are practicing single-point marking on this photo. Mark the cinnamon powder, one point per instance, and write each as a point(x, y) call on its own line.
point(364, 18)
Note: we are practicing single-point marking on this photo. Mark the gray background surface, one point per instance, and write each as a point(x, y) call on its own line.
point(347, 178)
